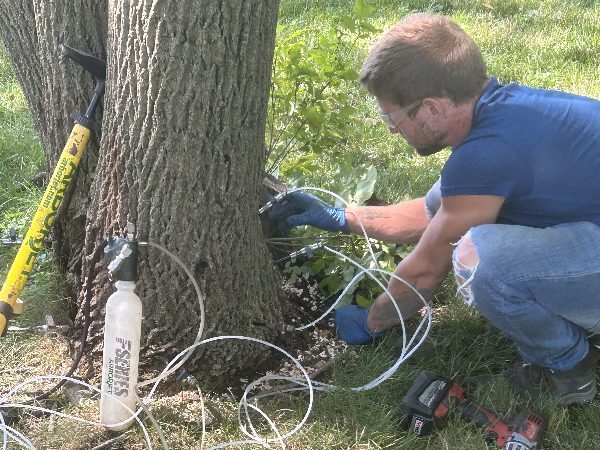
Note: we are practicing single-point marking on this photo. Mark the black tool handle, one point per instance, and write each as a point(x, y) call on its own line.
point(94, 65)
point(481, 417)
point(493, 427)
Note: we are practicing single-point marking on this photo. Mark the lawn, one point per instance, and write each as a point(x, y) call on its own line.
point(542, 43)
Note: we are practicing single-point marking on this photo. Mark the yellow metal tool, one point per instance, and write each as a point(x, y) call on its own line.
point(55, 192)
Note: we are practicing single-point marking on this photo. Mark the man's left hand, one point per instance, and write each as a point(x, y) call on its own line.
point(351, 323)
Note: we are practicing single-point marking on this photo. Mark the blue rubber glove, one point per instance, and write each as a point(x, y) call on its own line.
point(298, 208)
point(351, 323)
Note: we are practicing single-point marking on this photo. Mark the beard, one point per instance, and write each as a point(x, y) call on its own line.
point(430, 149)
point(436, 141)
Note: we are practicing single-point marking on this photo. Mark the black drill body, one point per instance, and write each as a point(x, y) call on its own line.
point(431, 397)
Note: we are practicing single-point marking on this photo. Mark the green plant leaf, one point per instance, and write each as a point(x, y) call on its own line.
point(365, 26)
point(365, 186)
point(314, 116)
point(294, 54)
point(305, 71)
point(363, 301)
point(331, 284)
point(349, 74)
point(348, 22)
point(346, 111)
point(348, 273)
point(362, 10)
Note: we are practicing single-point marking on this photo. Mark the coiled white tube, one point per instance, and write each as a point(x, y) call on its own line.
point(256, 439)
point(304, 383)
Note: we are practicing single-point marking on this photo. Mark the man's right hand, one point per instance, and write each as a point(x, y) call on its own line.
point(298, 208)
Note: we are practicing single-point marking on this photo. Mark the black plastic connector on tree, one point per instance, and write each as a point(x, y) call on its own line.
point(84, 121)
point(122, 255)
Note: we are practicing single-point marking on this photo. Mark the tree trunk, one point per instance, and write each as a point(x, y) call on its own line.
point(181, 157)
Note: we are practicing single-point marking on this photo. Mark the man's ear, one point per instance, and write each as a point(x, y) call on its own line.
point(433, 106)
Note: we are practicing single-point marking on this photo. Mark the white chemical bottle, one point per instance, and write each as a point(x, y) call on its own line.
point(122, 334)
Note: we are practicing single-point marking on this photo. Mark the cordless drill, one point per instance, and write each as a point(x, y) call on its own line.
point(431, 397)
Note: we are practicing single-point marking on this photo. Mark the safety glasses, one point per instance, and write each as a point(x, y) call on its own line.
point(393, 119)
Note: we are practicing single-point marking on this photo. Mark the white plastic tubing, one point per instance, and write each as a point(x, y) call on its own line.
point(247, 403)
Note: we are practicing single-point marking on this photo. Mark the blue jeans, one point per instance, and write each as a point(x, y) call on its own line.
point(540, 286)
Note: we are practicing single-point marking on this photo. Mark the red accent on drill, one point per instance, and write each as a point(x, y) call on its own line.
point(431, 397)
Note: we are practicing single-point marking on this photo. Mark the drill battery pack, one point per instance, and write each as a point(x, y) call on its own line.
point(422, 405)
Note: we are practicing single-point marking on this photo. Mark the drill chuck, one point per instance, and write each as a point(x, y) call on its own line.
point(527, 432)
point(517, 441)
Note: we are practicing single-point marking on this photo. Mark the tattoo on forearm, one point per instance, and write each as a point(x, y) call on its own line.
point(372, 213)
point(383, 314)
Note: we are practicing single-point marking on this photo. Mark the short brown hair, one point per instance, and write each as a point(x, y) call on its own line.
point(424, 55)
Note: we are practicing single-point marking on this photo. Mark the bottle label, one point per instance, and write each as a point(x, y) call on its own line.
point(117, 377)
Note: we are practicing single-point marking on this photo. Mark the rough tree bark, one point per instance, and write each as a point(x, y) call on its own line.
point(181, 155)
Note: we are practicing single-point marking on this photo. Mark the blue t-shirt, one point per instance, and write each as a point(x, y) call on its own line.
point(539, 149)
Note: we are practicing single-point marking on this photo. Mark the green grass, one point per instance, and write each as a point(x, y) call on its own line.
point(21, 156)
point(551, 44)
